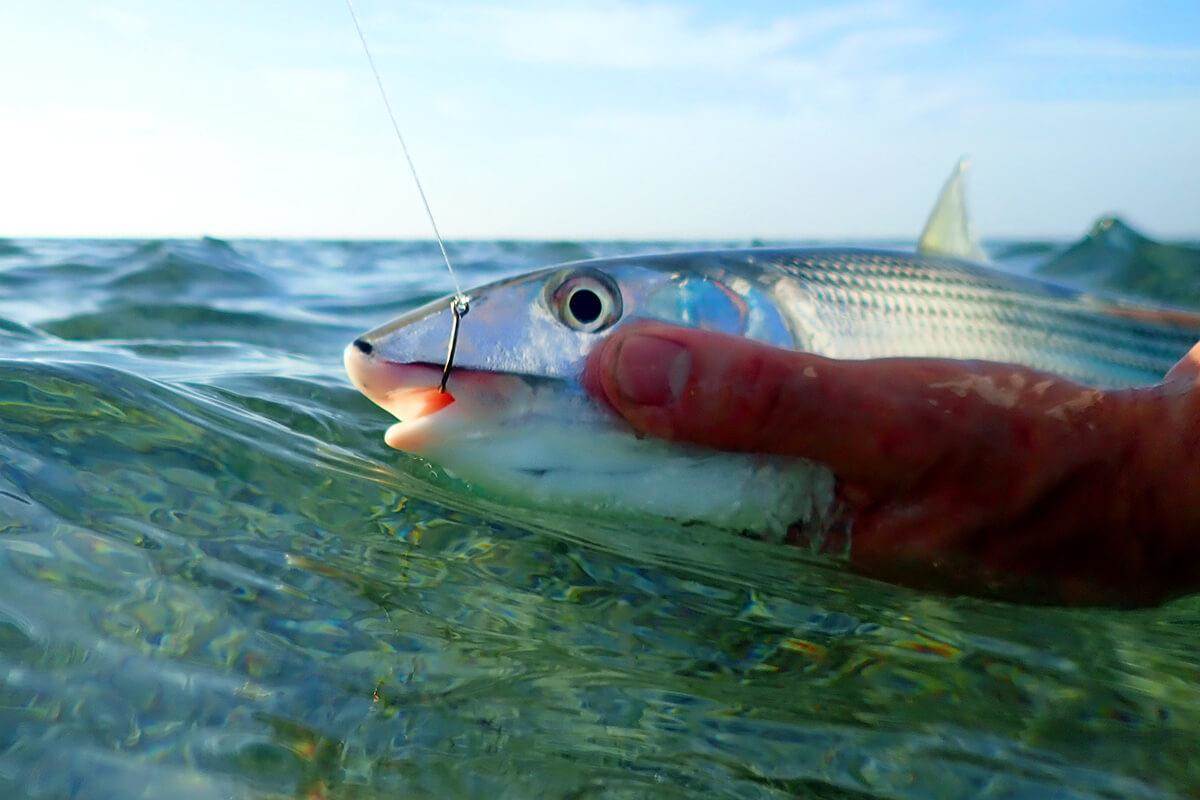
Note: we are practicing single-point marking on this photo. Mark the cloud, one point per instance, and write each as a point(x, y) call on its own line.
point(794, 63)
point(597, 118)
point(120, 21)
point(1084, 47)
point(622, 35)
point(627, 36)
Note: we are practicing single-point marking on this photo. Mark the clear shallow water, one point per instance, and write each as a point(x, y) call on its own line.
point(215, 581)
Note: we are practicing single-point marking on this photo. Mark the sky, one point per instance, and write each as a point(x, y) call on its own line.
point(596, 118)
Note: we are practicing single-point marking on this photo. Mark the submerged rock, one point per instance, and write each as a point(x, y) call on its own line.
point(1115, 257)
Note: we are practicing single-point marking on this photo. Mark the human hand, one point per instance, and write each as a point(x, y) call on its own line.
point(967, 476)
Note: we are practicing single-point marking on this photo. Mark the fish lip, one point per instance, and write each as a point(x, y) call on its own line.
point(397, 387)
point(410, 390)
point(428, 419)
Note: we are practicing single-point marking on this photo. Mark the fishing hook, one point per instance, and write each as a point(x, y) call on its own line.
point(460, 304)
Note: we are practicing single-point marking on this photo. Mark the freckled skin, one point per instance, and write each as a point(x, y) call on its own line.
point(966, 476)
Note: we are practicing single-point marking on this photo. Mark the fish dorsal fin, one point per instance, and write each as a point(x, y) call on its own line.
point(948, 230)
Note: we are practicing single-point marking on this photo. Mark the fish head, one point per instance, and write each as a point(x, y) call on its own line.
point(515, 419)
point(517, 335)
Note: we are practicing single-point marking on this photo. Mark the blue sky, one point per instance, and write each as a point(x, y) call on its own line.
point(596, 119)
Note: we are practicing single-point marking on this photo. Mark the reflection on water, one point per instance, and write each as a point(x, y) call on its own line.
point(216, 581)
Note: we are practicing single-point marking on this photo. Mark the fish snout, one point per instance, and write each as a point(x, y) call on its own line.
point(427, 416)
point(378, 378)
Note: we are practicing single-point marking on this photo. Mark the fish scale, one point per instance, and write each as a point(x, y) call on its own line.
point(878, 304)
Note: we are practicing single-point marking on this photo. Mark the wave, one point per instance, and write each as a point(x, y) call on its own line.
point(38, 275)
point(368, 310)
point(15, 330)
point(1115, 257)
point(176, 321)
point(10, 248)
point(188, 269)
point(1005, 250)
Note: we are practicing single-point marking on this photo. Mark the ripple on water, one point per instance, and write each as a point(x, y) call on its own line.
point(210, 268)
point(219, 582)
point(10, 248)
point(203, 322)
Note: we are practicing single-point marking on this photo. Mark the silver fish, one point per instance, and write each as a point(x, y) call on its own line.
point(522, 427)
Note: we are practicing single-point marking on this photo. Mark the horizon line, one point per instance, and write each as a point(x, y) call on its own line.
point(1181, 238)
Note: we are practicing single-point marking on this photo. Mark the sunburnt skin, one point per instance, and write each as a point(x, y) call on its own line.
point(941, 487)
point(522, 427)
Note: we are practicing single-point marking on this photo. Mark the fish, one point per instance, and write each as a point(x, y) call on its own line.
point(516, 423)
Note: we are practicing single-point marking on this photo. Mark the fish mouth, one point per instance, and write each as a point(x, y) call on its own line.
point(427, 415)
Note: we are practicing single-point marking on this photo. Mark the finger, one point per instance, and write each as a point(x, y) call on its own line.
point(879, 422)
point(1071, 543)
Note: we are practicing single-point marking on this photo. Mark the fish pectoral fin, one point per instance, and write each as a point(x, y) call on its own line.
point(948, 230)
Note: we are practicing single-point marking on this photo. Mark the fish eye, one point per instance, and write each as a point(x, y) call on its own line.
point(585, 305)
point(585, 299)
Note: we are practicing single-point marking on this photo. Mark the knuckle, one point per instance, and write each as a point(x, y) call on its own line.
point(770, 393)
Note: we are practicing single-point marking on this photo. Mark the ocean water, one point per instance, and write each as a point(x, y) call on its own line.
point(216, 581)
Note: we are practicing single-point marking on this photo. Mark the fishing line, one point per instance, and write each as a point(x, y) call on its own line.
point(459, 303)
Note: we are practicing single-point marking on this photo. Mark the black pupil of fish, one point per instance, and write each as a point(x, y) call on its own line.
point(585, 306)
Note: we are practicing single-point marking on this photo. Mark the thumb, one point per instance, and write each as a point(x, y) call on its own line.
point(876, 422)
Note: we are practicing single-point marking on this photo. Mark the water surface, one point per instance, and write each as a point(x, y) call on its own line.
point(215, 581)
